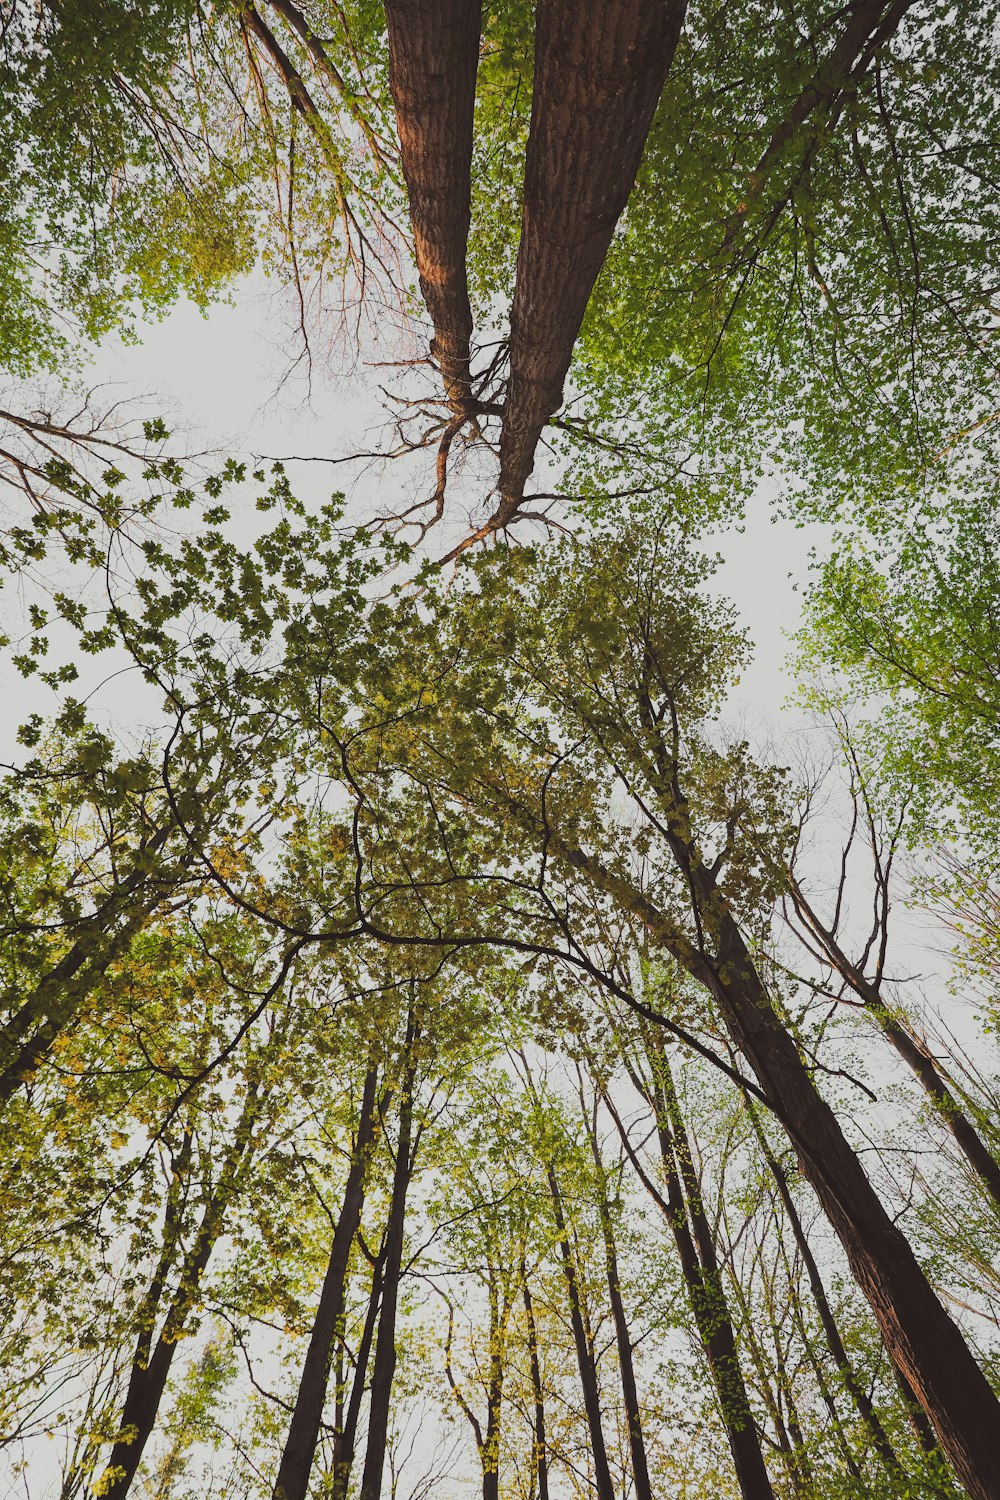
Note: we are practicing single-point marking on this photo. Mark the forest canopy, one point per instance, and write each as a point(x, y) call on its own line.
point(443, 1049)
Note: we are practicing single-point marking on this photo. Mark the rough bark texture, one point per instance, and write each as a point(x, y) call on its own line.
point(433, 60)
point(296, 1464)
point(584, 1350)
point(599, 71)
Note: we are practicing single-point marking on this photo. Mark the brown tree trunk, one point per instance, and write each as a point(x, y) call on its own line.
point(539, 1447)
point(345, 1441)
point(599, 71)
point(433, 60)
point(384, 1367)
point(835, 1343)
point(296, 1463)
point(630, 1392)
point(148, 1376)
point(700, 1268)
point(584, 1350)
point(919, 1335)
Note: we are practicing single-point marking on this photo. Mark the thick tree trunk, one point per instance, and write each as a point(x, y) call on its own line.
point(919, 1335)
point(384, 1367)
point(835, 1343)
point(433, 60)
point(599, 71)
point(296, 1464)
point(148, 1376)
point(539, 1447)
point(700, 1267)
point(584, 1349)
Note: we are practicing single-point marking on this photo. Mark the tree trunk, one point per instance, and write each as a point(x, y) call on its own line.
point(700, 1267)
point(919, 1335)
point(296, 1463)
point(385, 1349)
point(630, 1393)
point(148, 1376)
point(835, 1343)
point(599, 71)
point(433, 60)
point(540, 1451)
point(584, 1349)
point(345, 1441)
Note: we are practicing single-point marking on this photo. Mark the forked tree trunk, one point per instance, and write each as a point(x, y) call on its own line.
point(599, 72)
point(433, 60)
point(345, 1441)
point(296, 1464)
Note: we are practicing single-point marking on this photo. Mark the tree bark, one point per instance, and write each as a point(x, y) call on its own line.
point(384, 1367)
point(148, 1375)
point(835, 1343)
point(584, 1349)
point(433, 61)
point(346, 1440)
point(918, 1333)
point(599, 72)
point(700, 1267)
point(296, 1463)
point(539, 1448)
point(630, 1392)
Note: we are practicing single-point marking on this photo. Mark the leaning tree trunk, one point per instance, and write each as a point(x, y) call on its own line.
point(599, 71)
point(920, 1337)
point(433, 60)
point(296, 1464)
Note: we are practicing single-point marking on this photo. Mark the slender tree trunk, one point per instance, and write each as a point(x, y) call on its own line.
point(599, 71)
point(539, 1447)
point(917, 1058)
point(584, 1349)
point(696, 1248)
point(346, 1441)
point(433, 60)
point(630, 1392)
point(835, 1343)
point(26, 1038)
point(922, 1339)
point(384, 1367)
point(148, 1376)
point(296, 1463)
